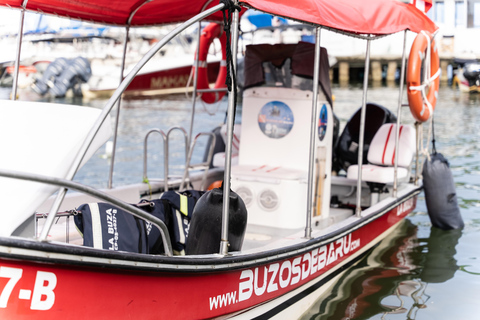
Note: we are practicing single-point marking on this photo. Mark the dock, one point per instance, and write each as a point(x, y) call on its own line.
point(382, 69)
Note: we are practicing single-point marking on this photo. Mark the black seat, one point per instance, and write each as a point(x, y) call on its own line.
point(346, 148)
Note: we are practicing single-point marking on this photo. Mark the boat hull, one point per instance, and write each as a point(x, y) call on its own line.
point(159, 82)
point(82, 283)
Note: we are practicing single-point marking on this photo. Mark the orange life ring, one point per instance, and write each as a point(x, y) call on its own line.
point(209, 33)
point(422, 103)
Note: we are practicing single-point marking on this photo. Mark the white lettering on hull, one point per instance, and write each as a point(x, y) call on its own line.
point(266, 279)
point(42, 297)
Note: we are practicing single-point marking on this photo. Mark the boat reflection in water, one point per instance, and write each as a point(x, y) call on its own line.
point(393, 278)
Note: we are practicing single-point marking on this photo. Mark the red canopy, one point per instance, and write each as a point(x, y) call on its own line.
point(117, 12)
point(353, 16)
point(375, 17)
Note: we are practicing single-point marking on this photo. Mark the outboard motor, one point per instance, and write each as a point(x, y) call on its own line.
point(77, 72)
point(206, 225)
point(472, 73)
point(440, 194)
point(63, 74)
point(50, 75)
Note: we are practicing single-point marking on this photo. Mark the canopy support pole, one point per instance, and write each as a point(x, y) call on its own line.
point(358, 210)
point(117, 118)
point(108, 108)
point(313, 136)
point(418, 129)
point(19, 51)
point(195, 82)
point(228, 146)
point(399, 116)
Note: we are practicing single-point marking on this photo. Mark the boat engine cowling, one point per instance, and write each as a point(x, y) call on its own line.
point(53, 71)
point(206, 225)
point(440, 195)
point(62, 75)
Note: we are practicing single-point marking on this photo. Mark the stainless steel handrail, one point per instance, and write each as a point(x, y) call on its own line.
point(165, 150)
point(399, 115)
point(313, 136)
point(110, 104)
point(199, 166)
point(358, 208)
point(228, 145)
point(68, 184)
point(186, 138)
point(117, 117)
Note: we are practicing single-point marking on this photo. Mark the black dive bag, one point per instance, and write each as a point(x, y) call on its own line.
point(105, 226)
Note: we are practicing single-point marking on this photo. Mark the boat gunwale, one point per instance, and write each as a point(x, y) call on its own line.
point(49, 252)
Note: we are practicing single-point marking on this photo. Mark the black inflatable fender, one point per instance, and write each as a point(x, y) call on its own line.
point(206, 225)
point(440, 194)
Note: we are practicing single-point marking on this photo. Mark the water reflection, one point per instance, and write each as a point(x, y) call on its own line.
point(438, 263)
point(393, 278)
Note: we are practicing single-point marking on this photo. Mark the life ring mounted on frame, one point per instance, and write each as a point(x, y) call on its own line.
point(422, 96)
point(209, 33)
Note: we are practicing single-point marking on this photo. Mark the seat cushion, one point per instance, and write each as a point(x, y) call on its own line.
point(373, 173)
point(382, 147)
point(219, 159)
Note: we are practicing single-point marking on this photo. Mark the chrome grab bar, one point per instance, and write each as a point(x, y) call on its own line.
point(185, 135)
point(199, 166)
point(68, 184)
point(165, 150)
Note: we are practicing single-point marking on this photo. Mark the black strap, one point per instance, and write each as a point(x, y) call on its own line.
point(434, 149)
point(231, 80)
point(141, 227)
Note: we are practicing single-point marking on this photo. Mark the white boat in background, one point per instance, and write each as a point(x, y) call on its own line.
point(48, 39)
point(467, 75)
point(280, 223)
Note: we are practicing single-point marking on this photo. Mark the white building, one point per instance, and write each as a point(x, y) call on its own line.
point(459, 22)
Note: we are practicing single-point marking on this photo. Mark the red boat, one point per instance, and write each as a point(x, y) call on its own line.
point(297, 206)
point(158, 81)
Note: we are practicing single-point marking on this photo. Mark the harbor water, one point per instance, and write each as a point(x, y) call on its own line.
point(418, 272)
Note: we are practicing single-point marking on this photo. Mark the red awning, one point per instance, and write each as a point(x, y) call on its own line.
point(117, 12)
point(376, 17)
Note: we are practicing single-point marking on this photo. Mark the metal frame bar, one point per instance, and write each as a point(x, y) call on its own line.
point(418, 128)
point(313, 136)
point(228, 145)
point(202, 165)
point(399, 115)
point(98, 194)
point(110, 104)
point(117, 117)
point(165, 150)
point(195, 79)
point(19, 51)
point(358, 209)
point(195, 82)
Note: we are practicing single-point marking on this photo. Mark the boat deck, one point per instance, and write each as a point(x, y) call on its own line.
point(257, 238)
